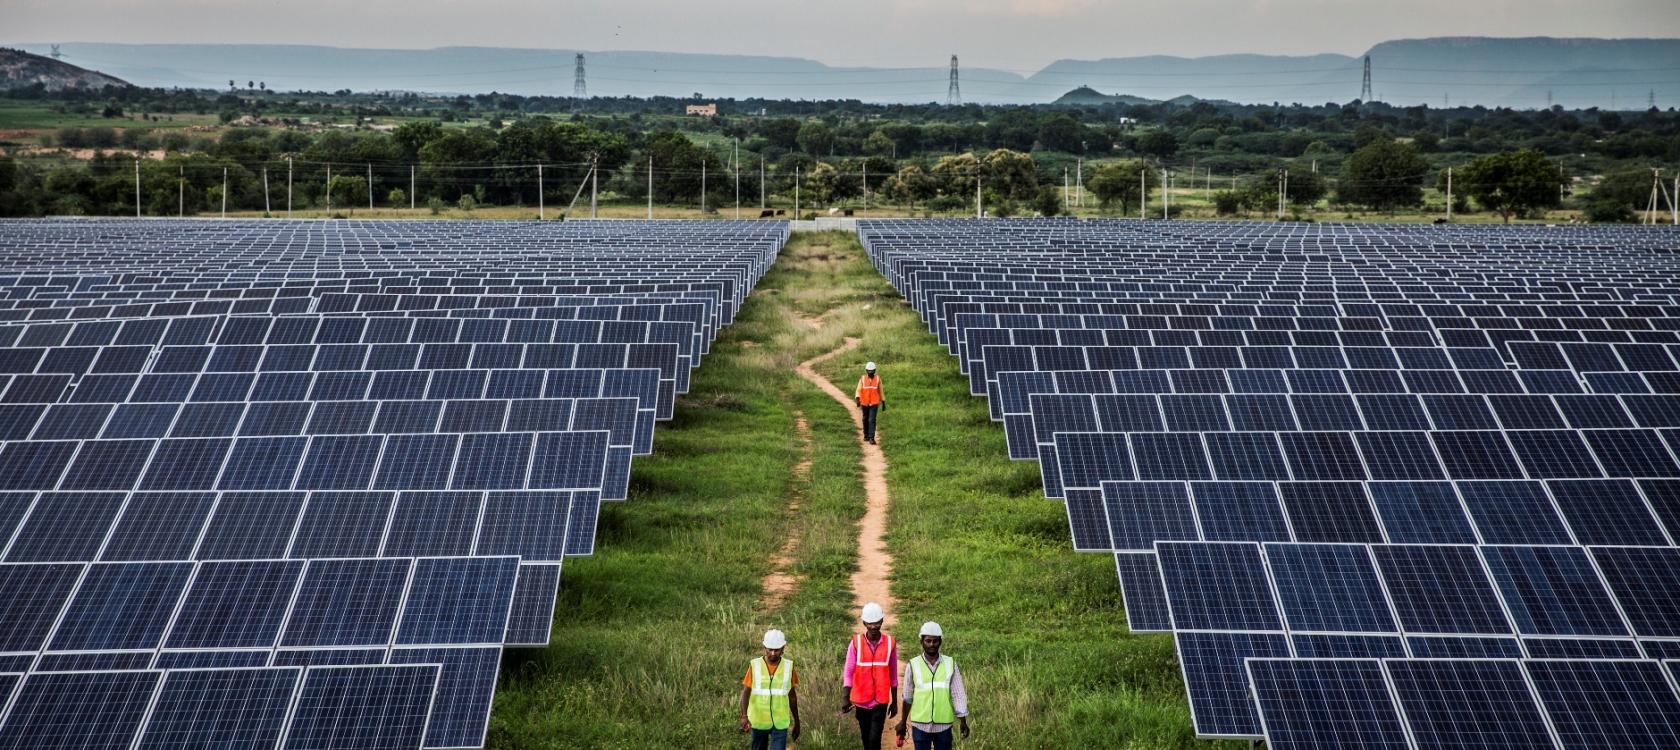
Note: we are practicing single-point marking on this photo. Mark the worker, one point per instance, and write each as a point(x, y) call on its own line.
point(868, 399)
point(934, 697)
point(871, 677)
point(769, 701)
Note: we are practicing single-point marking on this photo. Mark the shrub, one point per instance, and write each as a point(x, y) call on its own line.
point(435, 205)
point(1608, 211)
point(467, 203)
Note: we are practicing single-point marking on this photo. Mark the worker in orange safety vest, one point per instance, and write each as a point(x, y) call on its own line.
point(871, 677)
point(868, 399)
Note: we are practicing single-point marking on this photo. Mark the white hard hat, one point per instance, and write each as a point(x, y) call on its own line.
point(872, 613)
point(869, 365)
point(774, 639)
point(932, 628)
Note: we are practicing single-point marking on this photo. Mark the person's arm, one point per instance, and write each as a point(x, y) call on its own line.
point(892, 705)
point(746, 725)
point(793, 707)
point(959, 700)
point(846, 676)
point(904, 712)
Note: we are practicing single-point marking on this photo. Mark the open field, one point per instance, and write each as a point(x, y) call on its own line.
point(652, 633)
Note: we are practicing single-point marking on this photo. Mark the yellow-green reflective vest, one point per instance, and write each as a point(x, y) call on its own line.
point(931, 702)
point(768, 708)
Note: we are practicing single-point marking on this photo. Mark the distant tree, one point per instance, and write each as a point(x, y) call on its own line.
point(782, 132)
point(1630, 188)
point(250, 84)
point(815, 138)
point(1061, 132)
point(911, 185)
point(232, 85)
point(1048, 202)
point(1121, 185)
point(262, 85)
point(956, 174)
point(1011, 174)
point(823, 184)
point(397, 197)
point(1513, 182)
point(348, 191)
point(1384, 175)
point(1158, 143)
point(878, 144)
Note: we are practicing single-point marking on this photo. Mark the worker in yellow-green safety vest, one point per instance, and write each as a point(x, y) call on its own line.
point(934, 697)
point(769, 701)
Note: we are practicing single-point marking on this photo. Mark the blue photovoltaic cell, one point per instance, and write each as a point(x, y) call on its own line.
point(580, 527)
point(186, 464)
point(458, 600)
point(1582, 648)
point(78, 711)
point(1330, 512)
point(1221, 704)
point(237, 709)
point(65, 526)
point(419, 462)
point(1217, 586)
point(1421, 513)
point(1646, 582)
point(262, 464)
point(329, 657)
point(1087, 520)
point(96, 661)
point(1166, 456)
point(1553, 591)
point(1476, 455)
point(1087, 459)
point(31, 597)
point(121, 606)
point(532, 525)
point(107, 465)
point(235, 604)
point(1607, 512)
point(433, 524)
point(467, 683)
point(347, 603)
point(1327, 646)
point(1455, 647)
point(1610, 704)
point(159, 526)
point(569, 460)
point(212, 659)
point(1399, 455)
point(493, 461)
point(1325, 704)
point(532, 616)
point(1250, 456)
point(342, 524)
point(1141, 513)
point(1440, 589)
point(1140, 586)
point(1239, 511)
point(339, 462)
point(34, 466)
point(1632, 453)
point(1514, 513)
point(1480, 704)
point(365, 708)
point(251, 526)
point(1329, 588)
point(1322, 456)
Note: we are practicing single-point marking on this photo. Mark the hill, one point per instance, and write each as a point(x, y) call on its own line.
point(1512, 72)
point(1085, 96)
point(19, 69)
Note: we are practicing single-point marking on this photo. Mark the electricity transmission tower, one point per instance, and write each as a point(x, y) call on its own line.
point(56, 54)
point(1365, 87)
point(580, 90)
point(953, 93)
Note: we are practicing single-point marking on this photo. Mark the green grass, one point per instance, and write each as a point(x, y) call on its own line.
point(653, 632)
point(25, 115)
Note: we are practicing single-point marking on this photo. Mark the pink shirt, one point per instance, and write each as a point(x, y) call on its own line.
point(851, 666)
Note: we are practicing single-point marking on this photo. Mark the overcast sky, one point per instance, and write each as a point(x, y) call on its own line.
point(1012, 34)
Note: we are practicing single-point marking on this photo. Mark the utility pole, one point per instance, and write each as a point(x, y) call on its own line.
point(1449, 193)
point(1166, 197)
point(1548, 98)
point(650, 187)
point(702, 187)
point(1079, 179)
point(953, 92)
point(1067, 197)
point(137, 188)
point(735, 158)
point(594, 183)
point(542, 214)
point(411, 187)
point(288, 187)
point(1651, 206)
point(370, 185)
point(1674, 203)
point(796, 193)
point(266, 209)
point(224, 192)
point(979, 207)
point(580, 90)
point(1143, 192)
point(866, 187)
point(181, 195)
point(761, 182)
point(329, 188)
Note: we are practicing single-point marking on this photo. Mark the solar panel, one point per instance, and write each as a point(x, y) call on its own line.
point(1308, 703)
point(231, 708)
point(1469, 704)
point(379, 708)
point(1608, 703)
point(52, 709)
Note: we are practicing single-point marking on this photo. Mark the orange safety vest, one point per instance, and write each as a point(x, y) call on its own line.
point(869, 390)
point(872, 679)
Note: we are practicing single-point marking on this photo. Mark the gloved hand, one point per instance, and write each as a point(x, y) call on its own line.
point(883, 406)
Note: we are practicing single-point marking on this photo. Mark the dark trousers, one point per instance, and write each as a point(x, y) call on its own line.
point(871, 723)
point(931, 740)
point(869, 421)
point(770, 739)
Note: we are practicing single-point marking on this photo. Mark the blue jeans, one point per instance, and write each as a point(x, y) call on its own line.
point(772, 739)
point(931, 740)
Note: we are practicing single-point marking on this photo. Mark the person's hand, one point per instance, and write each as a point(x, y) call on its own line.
point(858, 402)
point(793, 731)
point(847, 708)
point(892, 710)
point(899, 730)
point(883, 407)
point(746, 726)
point(963, 725)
